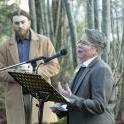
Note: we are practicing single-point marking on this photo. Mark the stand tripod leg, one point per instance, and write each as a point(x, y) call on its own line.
point(27, 99)
point(40, 113)
point(43, 97)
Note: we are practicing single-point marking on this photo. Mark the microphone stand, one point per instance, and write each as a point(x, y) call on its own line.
point(12, 66)
point(42, 96)
point(33, 63)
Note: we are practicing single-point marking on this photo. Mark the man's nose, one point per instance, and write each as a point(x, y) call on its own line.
point(20, 25)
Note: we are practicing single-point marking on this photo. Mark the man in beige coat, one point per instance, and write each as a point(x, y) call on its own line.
point(10, 54)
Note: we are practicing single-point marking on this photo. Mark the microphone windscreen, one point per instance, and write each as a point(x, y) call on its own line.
point(63, 52)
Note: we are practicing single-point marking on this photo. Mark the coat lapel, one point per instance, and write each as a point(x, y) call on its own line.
point(83, 75)
point(81, 80)
point(73, 77)
point(13, 50)
point(33, 45)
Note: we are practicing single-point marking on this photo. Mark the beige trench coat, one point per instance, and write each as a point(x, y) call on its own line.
point(40, 46)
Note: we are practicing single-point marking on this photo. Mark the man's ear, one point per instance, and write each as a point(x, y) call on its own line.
point(29, 22)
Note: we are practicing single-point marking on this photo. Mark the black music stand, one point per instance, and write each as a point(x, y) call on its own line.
point(39, 88)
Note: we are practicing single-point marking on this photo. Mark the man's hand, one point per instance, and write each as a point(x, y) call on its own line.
point(65, 92)
point(25, 68)
point(54, 108)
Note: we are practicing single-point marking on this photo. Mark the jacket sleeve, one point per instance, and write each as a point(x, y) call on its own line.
point(52, 67)
point(101, 91)
point(4, 76)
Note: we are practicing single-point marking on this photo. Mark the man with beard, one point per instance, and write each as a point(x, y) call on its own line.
point(23, 45)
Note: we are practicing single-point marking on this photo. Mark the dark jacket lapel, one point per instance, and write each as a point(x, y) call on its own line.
point(74, 75)
point(81, 79)
point(84, 74)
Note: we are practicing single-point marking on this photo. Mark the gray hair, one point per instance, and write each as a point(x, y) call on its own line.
point(96, 37)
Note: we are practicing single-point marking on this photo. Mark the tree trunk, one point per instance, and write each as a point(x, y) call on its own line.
point(120, 117)
point(90, 14)
point(97, 12)
point(46, 18)
point(58, 21)
point(39, 17)
point(61, 20)
point(33, 14)
point(54, 12)
point(72, 31)
point(106, 26)
point(50, 20)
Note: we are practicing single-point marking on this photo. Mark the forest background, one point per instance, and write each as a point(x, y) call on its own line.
point(65, 21)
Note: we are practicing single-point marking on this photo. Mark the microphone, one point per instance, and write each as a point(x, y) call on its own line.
point(33, 61)
point(58, 54)
point(36, 59)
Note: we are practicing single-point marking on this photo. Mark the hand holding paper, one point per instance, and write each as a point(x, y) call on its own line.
point(59, 107)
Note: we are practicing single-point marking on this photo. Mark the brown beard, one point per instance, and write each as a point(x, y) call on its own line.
point(21, 33)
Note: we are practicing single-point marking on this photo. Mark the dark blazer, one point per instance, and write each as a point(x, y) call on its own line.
point(93, 96)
